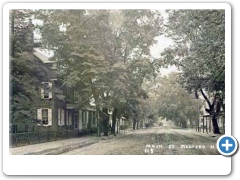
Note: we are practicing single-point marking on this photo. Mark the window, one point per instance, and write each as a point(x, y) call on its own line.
point(44, 117)
point(61, 117)
point(68, 97)
point(46, 90)
point(75, 95)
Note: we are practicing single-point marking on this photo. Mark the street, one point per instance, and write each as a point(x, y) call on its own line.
point(156, 140)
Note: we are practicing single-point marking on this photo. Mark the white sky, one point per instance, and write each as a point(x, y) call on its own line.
point(158, 48)
point(163, 42)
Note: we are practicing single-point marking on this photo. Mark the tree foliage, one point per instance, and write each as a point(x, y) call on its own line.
point(105, 53)
point(23, 78)
point(173, 102)
point(198, 51)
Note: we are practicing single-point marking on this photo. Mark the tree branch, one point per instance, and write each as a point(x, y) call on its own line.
point(205, 97)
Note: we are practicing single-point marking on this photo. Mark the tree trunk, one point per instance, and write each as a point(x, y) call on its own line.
point(98, 129)
point(198, 126)
point(98, 124)
point(117, 126)
point(105, 122)
point(215, 125)
point(191, 124)
point(212, 112)
point(134, 123)
point(223, 124)
point(137, 124)
point(184, 124)
point(114, 119)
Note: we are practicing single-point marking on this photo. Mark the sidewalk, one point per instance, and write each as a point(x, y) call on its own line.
point(55, 147)
point(62, 146)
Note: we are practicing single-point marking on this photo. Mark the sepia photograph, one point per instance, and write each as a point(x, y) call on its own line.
point(116, 81)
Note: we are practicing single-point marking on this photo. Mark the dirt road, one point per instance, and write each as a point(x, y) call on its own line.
point(157, 140)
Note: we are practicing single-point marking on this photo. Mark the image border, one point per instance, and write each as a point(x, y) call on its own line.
point(143, 165)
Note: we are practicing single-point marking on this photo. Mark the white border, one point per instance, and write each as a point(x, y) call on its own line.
point(125, 165)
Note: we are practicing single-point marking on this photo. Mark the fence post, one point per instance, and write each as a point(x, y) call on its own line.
point(210, 124)
point(203, 124)
point(198, 126)
point(207, 125)
point(28, 140)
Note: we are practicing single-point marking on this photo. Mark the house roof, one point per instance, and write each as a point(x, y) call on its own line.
point(42, 57)
point(46, 73)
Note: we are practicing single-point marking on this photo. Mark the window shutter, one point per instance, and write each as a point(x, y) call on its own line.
point(59, 117)
point(49, 117)
point(63, 123)
point(50, 90)
point(39, 115)
point(50, 95)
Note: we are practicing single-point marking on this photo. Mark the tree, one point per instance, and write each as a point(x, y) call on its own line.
point(173, 102)
point(24, 78)
point(21, 32)
point(123, 38)
point(199, 52)
point(103, 52)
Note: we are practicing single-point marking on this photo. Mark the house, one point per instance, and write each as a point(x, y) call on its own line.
point(56, 108)
point(54, 101)
point(83, 117)
point(49, 104)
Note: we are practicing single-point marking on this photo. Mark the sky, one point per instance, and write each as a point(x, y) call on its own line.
point(162, 43)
